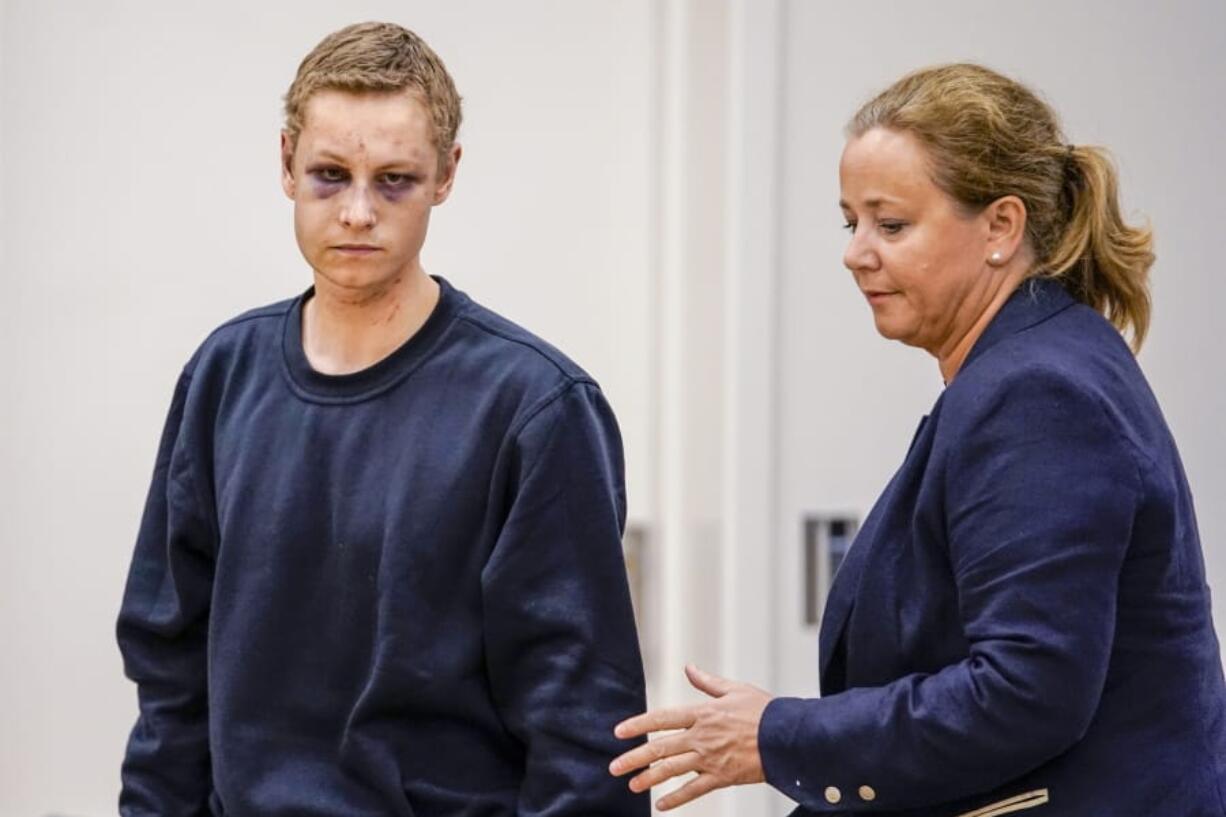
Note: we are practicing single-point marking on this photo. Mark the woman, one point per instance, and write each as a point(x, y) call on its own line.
point(1023, 622)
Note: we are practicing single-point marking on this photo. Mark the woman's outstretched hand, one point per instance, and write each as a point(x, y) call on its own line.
point(718, 740)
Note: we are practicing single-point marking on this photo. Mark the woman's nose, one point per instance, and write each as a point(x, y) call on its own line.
point(859, 254)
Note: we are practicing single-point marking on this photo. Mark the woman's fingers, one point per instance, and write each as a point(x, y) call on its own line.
point(707, 682)
point(666, 769)
point(696, 788)
point(655, 721)
point(718, 740)
point(650, 752)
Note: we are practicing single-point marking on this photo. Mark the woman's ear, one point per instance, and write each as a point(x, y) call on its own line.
point(1006, 223)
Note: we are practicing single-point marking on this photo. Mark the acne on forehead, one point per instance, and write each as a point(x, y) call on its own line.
point(374, 151)
point(388, 126)
point(406, 101)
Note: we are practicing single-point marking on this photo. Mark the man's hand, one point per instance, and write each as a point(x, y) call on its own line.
point(719, 740)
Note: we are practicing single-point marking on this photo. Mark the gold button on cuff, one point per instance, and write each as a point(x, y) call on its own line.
point(868, 794)
point(833, 795)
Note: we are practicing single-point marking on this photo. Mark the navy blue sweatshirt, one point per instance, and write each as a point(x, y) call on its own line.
point(395, 592)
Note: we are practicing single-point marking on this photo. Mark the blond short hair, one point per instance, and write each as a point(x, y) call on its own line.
point(380, 58)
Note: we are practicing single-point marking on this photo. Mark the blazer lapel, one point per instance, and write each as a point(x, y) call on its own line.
point(1034, 301)
point(839, 605)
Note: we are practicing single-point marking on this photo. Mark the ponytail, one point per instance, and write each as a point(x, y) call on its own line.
point(1102, 260)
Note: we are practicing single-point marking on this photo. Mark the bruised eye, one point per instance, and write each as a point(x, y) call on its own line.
point(331, 175)
point(397, 179)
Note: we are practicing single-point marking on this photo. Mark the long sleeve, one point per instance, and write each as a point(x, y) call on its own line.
point(562, 651)
point(162, 632)
point(1039, 498)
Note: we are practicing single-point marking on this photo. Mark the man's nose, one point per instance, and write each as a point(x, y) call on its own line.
point(358, 212)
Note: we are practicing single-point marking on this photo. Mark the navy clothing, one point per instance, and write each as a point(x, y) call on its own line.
point(1023, 623)
point(395, 592)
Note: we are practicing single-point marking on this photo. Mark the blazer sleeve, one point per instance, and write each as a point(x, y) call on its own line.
point(163, 622)
point(561, 646)
point(1040, 496)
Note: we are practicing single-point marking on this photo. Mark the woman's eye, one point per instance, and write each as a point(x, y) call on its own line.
point(849, 226)
point(892, 227)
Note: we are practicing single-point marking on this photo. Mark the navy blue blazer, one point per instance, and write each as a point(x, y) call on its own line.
point(1022, 625)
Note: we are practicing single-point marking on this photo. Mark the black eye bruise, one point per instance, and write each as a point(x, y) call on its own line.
point(328, 173)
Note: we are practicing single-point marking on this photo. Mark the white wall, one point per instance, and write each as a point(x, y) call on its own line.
point(141, 207)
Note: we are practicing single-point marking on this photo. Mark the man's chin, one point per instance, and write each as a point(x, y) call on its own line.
point(356, 279)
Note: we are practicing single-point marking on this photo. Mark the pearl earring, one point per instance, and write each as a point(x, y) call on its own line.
point(996, 259)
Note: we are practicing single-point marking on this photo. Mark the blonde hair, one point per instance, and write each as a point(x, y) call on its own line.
point(988, 136)
point(377, 57)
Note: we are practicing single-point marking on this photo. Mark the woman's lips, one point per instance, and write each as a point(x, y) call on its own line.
point(878, 296)
point(356, 249)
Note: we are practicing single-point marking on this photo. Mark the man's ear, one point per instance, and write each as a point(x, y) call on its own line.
point(287, 164)
point(447, 170)
point(1006, 223)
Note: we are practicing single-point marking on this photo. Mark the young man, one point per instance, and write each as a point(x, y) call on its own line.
point(379, 571)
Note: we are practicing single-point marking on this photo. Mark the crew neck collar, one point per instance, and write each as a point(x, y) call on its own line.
point(313, 385)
